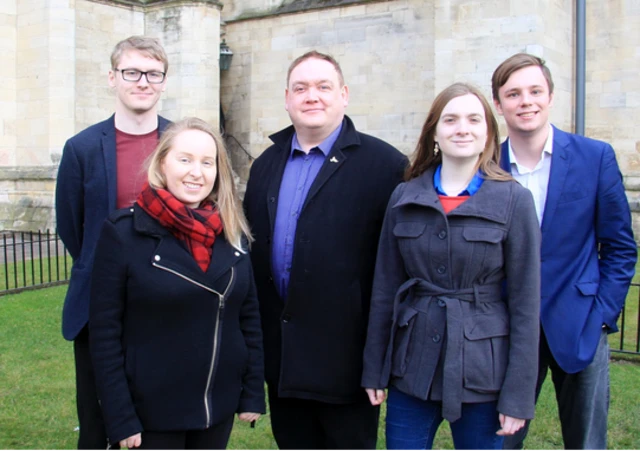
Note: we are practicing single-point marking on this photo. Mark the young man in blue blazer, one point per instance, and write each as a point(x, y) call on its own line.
point(588, 250)
point(101, 170)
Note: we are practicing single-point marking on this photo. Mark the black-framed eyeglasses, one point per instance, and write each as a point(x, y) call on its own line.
point(152, 76)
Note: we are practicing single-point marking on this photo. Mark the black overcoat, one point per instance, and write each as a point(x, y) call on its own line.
point(173, 347)
point(314, 343)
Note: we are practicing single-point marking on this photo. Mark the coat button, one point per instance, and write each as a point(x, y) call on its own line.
point(157, 258)
point(441, 303)
point(272, 199)
point(436, 338)
point(442, 269)
point(237, 254)
point(286, 318)
point(442, 235)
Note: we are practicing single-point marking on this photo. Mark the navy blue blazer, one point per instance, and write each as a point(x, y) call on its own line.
point(586, 209)
point(85, 195)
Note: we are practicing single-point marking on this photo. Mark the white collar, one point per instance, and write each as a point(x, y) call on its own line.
point(548, 147)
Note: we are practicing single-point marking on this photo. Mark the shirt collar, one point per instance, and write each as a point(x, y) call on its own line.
point(547, 149)
point(470, 190)
point(325, 146)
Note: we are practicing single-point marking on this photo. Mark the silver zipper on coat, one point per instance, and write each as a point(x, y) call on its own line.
point(221, 298)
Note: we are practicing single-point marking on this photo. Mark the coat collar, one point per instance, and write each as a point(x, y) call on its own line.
point(175, 256)
point(483, 204)
point(333, 161)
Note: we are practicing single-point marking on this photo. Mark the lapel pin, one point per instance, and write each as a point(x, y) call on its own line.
point(333, 160)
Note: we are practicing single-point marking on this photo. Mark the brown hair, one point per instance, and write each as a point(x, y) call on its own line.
point(150, 47)
point(224, 190)
point(320, 56)
point(514, 63)
point(424, 158)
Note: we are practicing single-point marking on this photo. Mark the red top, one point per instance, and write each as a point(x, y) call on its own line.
point(131, 175)
point(451, 202)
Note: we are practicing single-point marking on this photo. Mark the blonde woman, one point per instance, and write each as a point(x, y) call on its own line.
point(175, 329)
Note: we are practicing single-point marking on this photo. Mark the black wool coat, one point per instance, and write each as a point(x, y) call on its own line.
point(314, 343)
point(173, 347)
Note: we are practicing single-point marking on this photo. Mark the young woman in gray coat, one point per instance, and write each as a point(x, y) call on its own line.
point(453, 328)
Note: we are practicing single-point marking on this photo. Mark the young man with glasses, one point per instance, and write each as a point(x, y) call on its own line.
point(100, 171)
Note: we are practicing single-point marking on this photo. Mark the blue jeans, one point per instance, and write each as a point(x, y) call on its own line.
point(412, 423)
point(583, 400)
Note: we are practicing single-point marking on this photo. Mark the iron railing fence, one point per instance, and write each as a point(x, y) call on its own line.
point(30, 260)
point(628, 341)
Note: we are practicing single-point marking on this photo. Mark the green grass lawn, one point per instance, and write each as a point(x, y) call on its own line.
point(37, 400)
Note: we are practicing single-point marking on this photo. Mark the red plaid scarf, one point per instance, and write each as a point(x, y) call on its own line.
point(196, 227)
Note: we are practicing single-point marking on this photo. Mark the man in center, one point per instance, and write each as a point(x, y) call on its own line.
point(315, 201)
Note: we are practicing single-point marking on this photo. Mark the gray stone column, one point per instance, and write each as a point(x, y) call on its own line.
point(190, 33)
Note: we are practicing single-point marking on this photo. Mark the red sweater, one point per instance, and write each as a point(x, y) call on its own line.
point(131, 152)
point(451, 202)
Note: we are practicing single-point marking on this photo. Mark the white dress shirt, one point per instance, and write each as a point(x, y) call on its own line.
point(535, 180)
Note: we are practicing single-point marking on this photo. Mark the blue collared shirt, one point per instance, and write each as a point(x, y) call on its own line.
point(470, 190)
point(299, 173)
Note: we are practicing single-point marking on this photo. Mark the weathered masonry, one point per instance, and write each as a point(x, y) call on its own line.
point(396, 55)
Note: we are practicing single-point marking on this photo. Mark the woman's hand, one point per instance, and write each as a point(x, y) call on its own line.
point(509, 425)
point(132, 442)
point(248, 416)
point(376, 396)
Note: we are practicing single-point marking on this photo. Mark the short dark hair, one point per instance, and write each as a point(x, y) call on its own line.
point(320, 56)
point(514, 63)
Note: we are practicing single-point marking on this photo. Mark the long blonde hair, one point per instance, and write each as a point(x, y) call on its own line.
point(223, 194)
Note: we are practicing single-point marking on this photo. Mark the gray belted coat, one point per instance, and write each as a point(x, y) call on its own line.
point(444, 324)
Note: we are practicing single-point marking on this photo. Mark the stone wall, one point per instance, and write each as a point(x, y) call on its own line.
point(385, 50)
point(613, 87)
point(8, 92)
point(396, 55)
point(54, 83)
point(190, 33)
point(26, 201)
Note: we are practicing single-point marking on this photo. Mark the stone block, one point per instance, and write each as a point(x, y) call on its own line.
point(613, 100)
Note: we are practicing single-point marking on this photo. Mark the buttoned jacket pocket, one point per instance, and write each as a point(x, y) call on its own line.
point(411, 242)
point(486, 350)
point(484, 247)
point(409, 229)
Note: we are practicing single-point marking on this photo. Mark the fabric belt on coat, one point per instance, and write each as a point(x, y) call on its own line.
point(452, 372)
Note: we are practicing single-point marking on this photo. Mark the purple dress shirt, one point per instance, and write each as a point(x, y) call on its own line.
point(299, 173)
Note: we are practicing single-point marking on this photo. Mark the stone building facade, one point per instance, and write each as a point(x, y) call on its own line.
point(396, 55)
